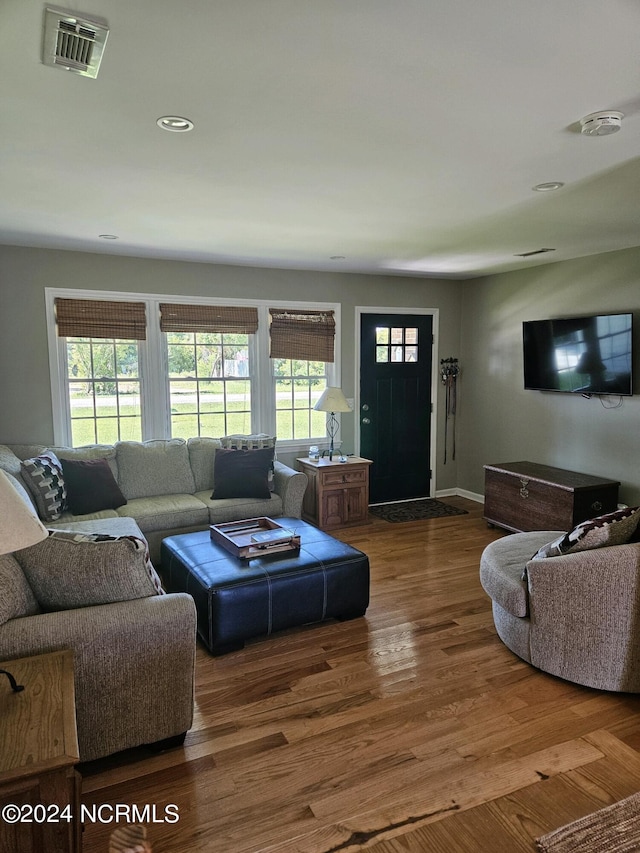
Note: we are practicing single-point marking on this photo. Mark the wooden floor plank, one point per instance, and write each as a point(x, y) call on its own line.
point(413, 729)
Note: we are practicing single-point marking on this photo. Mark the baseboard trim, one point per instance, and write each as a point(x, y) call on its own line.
point(461, 493)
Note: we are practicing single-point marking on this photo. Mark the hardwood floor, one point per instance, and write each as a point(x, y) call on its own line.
point(413, 729)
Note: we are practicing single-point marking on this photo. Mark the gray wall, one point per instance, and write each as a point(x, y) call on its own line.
point(26, 416)
point(499, 421)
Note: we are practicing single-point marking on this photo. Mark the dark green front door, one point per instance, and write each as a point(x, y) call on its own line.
point(395, 404)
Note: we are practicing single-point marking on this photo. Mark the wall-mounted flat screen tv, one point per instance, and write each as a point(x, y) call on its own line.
point(580, 355)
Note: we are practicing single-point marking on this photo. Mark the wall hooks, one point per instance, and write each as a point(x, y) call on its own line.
point(449, 373)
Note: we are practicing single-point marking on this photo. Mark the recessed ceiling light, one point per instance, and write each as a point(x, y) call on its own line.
point(107, 236)
point(548, 186)
point(176, 124)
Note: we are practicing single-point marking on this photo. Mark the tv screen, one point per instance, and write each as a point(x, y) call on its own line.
point(581, 355)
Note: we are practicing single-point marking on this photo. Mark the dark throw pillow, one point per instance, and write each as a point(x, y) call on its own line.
point(242, 473)
point(91, 486)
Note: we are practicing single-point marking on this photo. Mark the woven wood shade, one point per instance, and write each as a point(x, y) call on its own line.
point(208, 318)
point(94, 318)
point(304, 335)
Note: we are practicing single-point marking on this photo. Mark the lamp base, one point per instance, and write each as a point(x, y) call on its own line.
point(332, 429)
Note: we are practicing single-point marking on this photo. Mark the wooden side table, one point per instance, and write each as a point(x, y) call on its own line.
point(338, 492)
point(38, 751)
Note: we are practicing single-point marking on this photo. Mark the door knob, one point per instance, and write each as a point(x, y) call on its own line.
point(366, 420)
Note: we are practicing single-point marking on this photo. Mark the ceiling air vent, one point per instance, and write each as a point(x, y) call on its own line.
point(73, 43)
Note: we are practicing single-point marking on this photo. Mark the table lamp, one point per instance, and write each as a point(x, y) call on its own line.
point(332, 401)
point(19, 524)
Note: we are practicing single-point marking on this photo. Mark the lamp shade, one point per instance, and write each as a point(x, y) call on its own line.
point(332, 400)
point(19, 525)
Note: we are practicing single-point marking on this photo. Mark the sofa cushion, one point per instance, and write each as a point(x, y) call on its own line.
point(242, 473)
point(202, 451)
point(9, 462)
point(20, 486)
point(72, 569)
point(502, 565)
point(235, 509)
point(91, 486)
point(614, 528)
point(69, 518)
point(45, 480)
point(165, 512)
point(89, 452)
point(16, 596)
point(150, 468)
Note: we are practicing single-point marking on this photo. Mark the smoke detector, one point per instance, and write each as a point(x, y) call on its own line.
point(603, 123)
point(73, 43)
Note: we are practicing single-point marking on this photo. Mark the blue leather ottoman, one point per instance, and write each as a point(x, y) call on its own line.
point(238, 599)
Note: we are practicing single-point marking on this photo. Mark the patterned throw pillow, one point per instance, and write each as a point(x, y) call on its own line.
point(614, 528)
point(45, 480)
point(248, 442)
point(258, 441)
point(69, 570)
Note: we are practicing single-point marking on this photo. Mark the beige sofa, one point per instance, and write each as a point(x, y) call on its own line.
point(167, 485)
point(576, 615)
point(134, 649)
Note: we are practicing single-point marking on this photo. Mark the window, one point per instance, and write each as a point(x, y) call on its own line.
point(396, 344)
point(103, 390)
point(184, 369)
point(302, 349)
point(209, 383)
point(298, 386)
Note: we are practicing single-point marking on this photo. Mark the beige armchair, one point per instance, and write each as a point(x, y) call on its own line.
point(576, 616)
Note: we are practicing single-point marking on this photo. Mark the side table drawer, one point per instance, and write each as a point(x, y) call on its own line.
point(336, 477)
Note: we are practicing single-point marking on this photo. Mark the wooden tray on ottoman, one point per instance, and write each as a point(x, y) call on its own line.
point(254, 537)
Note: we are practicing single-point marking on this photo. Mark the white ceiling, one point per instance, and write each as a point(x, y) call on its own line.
point(403, 135)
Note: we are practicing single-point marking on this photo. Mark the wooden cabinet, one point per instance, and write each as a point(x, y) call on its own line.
point(338, 492)
point(38, 753)
point(523, 496)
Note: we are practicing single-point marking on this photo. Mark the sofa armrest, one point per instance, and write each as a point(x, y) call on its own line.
point(133, 664)
point(585, 616)
point(290, 485)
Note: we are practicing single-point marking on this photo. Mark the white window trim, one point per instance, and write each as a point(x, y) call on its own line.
point(154, 367)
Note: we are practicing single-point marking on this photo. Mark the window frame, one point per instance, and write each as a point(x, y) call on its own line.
point(154, 368)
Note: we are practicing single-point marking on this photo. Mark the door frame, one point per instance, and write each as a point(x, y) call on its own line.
point(435, 376)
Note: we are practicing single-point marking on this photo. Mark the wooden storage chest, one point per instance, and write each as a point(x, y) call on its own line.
point(523, 496)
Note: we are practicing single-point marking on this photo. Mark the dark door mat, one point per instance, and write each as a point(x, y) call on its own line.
point(414, 510)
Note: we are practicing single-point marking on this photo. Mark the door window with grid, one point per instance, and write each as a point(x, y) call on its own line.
point(396, 344)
